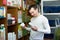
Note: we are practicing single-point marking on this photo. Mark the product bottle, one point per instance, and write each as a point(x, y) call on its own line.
point(2, 32)
point(14, 36)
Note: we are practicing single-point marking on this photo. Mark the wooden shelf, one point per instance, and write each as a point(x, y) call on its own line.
point(11, 7)
point(13, 28)
point(2, 18)
point(12, 25)
point(14, 13)
point(1, 2)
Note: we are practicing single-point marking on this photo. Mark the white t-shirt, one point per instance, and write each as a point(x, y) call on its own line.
point(41, 22)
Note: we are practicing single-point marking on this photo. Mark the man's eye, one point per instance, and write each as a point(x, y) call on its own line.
point(32, 12)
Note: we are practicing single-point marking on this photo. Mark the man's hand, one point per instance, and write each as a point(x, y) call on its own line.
point(23, 27)
point(34, 28)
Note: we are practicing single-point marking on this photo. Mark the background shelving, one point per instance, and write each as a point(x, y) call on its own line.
point(52, 16)
point(13, 11)
point(12, 7)
point(13, 27)
point(52, 4)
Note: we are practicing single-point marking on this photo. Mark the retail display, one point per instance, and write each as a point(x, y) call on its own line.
point(2, 12)
point(2, 32)
point(12, 14)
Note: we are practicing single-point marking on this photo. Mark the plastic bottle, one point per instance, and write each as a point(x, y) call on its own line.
point(2, 32)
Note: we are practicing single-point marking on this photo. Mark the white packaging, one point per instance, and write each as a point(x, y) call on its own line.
point(24, 5)
point(19, 20)
point(19, 34)
point(13, 20)
point(19, 16)
point(22, 24)
point(10, 37)
point(9, 2)
point(14, 36)
point(19, 2)
point(2, 34)
point(9, 16)
point(14, 3)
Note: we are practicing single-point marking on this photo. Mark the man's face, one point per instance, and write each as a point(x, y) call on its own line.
point(33, 12)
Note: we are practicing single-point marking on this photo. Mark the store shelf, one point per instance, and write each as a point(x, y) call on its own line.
point(12, 25)
point(52, 27)
point(14, 13)
point(51, 13)
point(49, 0)
point(2, 18)
point(9, 7)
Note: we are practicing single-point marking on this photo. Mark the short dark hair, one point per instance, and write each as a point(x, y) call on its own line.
point(32, 6)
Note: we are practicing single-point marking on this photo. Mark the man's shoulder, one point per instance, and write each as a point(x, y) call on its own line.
point(44, 17)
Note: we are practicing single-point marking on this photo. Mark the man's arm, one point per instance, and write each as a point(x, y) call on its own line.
point(28, 28)
point(46, 26)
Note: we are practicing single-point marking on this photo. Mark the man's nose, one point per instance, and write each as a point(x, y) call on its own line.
point(32, 14)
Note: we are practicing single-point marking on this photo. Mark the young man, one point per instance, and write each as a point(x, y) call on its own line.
point(39, 24)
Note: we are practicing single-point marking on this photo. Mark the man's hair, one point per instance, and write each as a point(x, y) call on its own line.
point(32, 6)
